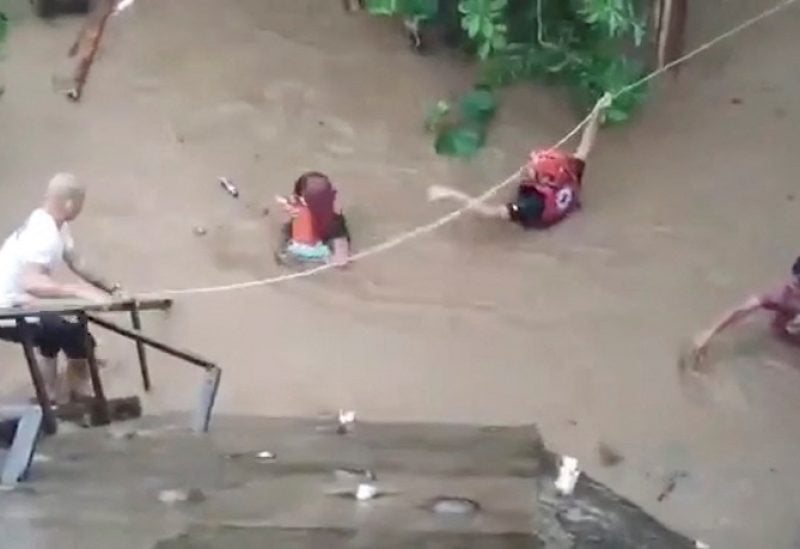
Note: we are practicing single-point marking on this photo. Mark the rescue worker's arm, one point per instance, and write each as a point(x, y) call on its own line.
point(589, 135)
point(341, 252)
point(732, 317)
point(78, 265)
point(37, 282)
point(440, 192)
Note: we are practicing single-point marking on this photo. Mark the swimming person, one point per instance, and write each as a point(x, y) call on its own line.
point(549, 189)
point(317, 231)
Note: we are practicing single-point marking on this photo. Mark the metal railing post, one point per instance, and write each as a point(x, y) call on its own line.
point(136, 321)
point(50, 426)
point(100, 411)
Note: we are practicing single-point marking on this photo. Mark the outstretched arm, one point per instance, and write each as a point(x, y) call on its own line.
point(37, 282)
point(439, 192)
point(78, 265)
point(589, 135)
point(730, 318)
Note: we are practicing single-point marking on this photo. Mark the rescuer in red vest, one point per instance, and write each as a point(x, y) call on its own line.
point(549, 188)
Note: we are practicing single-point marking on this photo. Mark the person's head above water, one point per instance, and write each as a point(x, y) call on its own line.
point(312, 182)
point(796, 270)
point(549, 166)
point(319, 195)
point(64, 197)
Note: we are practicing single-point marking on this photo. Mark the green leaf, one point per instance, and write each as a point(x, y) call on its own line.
point(639, 32)
point(382, 7)
point(487, 27)
point(478, 105)
point(421, 9)
point(484, 50)
point(617, 116)
point(462, 142)
point(473, 25)
point(3, 26)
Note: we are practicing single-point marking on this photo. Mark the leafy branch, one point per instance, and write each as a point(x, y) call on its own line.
point(588, 46)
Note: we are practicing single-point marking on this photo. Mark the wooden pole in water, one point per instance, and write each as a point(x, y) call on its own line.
point(85, 47)
point(671, 19)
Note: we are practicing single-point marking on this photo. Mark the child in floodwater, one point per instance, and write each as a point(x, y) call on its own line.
point(317, 231)
point(549, 189)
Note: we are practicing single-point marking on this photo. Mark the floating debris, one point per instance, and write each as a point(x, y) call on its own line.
point(192, 495)
point(346, 420)
point(229, 187)
point(86, 46)
point(568, 474)
point(366, 491)
point(363, 491)
point(264, 455)
point(447, 505)
point(609, 457)
point(199, 231)
point(123, 5)
point(701, 545)
point(672, 482)
point(351, 475)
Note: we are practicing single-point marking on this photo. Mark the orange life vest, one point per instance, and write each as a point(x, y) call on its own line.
point(303, 226)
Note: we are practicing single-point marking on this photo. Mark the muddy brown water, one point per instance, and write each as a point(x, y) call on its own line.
point(687, 210)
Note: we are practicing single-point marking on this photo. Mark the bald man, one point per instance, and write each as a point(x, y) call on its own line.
point(28, 260)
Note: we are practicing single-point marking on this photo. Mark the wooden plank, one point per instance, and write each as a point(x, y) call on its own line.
point(87, 44)
point(67, 306)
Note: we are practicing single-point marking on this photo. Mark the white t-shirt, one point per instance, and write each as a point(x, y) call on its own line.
point(37, 241)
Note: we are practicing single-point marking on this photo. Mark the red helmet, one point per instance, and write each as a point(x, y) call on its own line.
point(550, 166)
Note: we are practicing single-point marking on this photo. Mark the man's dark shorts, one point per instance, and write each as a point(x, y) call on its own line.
point(53, 334)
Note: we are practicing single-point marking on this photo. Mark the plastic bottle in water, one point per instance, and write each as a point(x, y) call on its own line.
point(229, 187)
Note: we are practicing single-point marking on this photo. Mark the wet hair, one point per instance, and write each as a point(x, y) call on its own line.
point(310, 178)
point(319, 195)
point(796, 268)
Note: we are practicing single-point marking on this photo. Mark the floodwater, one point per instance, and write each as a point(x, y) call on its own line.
point(686, 211)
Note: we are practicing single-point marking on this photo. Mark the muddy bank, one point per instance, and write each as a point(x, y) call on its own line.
point(101, 488)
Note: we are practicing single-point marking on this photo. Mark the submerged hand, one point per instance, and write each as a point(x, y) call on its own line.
point(438, 192)
point(605, 102)
point(699, 350)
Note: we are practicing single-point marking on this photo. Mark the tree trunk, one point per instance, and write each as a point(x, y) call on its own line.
point(671, 19)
